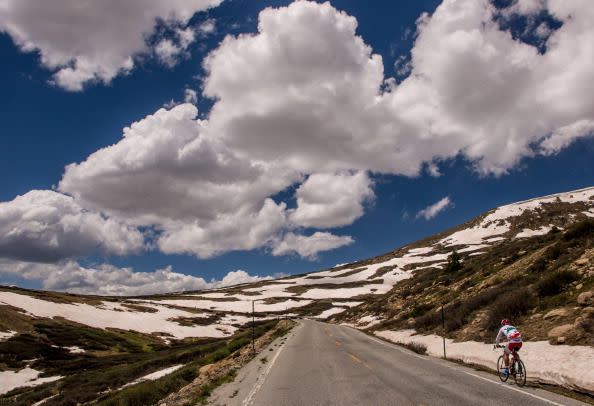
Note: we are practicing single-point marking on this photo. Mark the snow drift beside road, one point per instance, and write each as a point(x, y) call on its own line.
point(565, 365)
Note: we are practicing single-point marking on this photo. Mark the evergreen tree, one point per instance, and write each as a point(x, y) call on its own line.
point(454, 264)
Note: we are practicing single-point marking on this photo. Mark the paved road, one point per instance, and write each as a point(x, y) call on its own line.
point(324, 364)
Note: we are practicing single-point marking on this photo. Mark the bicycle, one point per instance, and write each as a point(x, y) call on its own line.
point(516, 368)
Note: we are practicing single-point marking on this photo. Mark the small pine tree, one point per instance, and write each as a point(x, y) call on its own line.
point(454, 264)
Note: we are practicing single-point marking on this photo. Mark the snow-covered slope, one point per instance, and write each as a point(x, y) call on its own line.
point(376, 276)
point(361, 294)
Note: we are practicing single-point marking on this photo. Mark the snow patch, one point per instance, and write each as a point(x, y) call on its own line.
point(115, 315)
point(6, 335)
point(525, 233)
point(154, 376)
point(417, 252)
point(239, 306)
point(10, 380)
point(318, 293)
point(539, 357)
point(346, 304)
point(330, 312)
point(368, 321)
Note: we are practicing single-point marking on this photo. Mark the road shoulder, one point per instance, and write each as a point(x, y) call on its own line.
point(251, 376)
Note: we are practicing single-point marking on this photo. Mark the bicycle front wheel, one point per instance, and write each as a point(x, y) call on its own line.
point(520, 375)
point(500, 366)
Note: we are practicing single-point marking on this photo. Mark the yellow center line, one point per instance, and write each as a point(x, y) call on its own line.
point(358, 360)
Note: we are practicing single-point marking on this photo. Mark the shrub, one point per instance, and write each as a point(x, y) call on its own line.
point(555, 282)
point(583, 229)
point(511, 305)
point(420, 310)
point(538, 266)
point(419, 348)
point(553, 252)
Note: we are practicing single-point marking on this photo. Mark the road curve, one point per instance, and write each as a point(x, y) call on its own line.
point(326, 364)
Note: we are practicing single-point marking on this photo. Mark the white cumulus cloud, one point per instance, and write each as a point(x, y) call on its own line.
point(87, 40)
point(106, 279)
point(433, 210)
point(47, 226)
point(304, 102)
point(310, 246)
point(331, 200)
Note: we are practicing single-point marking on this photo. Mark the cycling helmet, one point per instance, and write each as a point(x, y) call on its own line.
point(504, 322)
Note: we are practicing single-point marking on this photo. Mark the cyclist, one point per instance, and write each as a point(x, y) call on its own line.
point(514, 341)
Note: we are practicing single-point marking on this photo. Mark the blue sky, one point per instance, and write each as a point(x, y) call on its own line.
point(497, 147)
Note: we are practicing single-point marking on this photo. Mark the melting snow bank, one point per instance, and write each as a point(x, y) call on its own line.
point(116, 315)
point(568, 366)
point(6, 335)
point(154, 376)
point(10, 380)
point(330, 312)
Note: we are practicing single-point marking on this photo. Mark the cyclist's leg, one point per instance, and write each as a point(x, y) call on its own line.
point(506, 352)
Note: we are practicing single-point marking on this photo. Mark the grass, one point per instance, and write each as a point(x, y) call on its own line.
point(206, 390)
point(89, 374)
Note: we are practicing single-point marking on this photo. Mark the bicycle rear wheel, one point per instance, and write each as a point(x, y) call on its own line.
point(500, 366)
point(520, 375)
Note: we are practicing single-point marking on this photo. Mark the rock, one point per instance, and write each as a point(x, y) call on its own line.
point(579, 286)
point(582, 261)
point(536, 315)
point(561, 340)
point(588, 311)
point(586, 298)
point(560, 312)
point(560, 331)
point(206, 369)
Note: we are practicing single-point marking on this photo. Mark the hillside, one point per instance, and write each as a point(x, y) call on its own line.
point(532, 261)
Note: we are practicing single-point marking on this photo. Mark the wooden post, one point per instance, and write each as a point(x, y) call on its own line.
point(253, 329)
point(443, 332)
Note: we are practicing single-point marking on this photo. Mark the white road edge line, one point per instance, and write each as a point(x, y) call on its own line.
point(510, 388)
point(468, 373)
point(260, 380)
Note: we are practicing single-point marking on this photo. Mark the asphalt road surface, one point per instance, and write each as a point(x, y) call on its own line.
point(324, 364)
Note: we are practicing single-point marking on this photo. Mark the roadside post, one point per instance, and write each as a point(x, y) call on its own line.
point(253, 329)
point(443, 332)
point(254, 326)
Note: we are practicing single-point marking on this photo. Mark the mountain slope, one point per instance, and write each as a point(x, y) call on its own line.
point(531, 260)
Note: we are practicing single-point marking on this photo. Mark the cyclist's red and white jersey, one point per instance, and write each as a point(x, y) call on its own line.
point(510, 333)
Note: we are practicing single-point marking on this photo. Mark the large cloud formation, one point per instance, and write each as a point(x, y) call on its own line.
point(83, 48)
point(325, 109)
point(304, 104)
point(105, 279)
point(46, 226)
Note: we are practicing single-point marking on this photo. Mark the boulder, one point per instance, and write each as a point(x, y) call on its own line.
point(560, 331)
point(560, 312)
point(586, 298)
